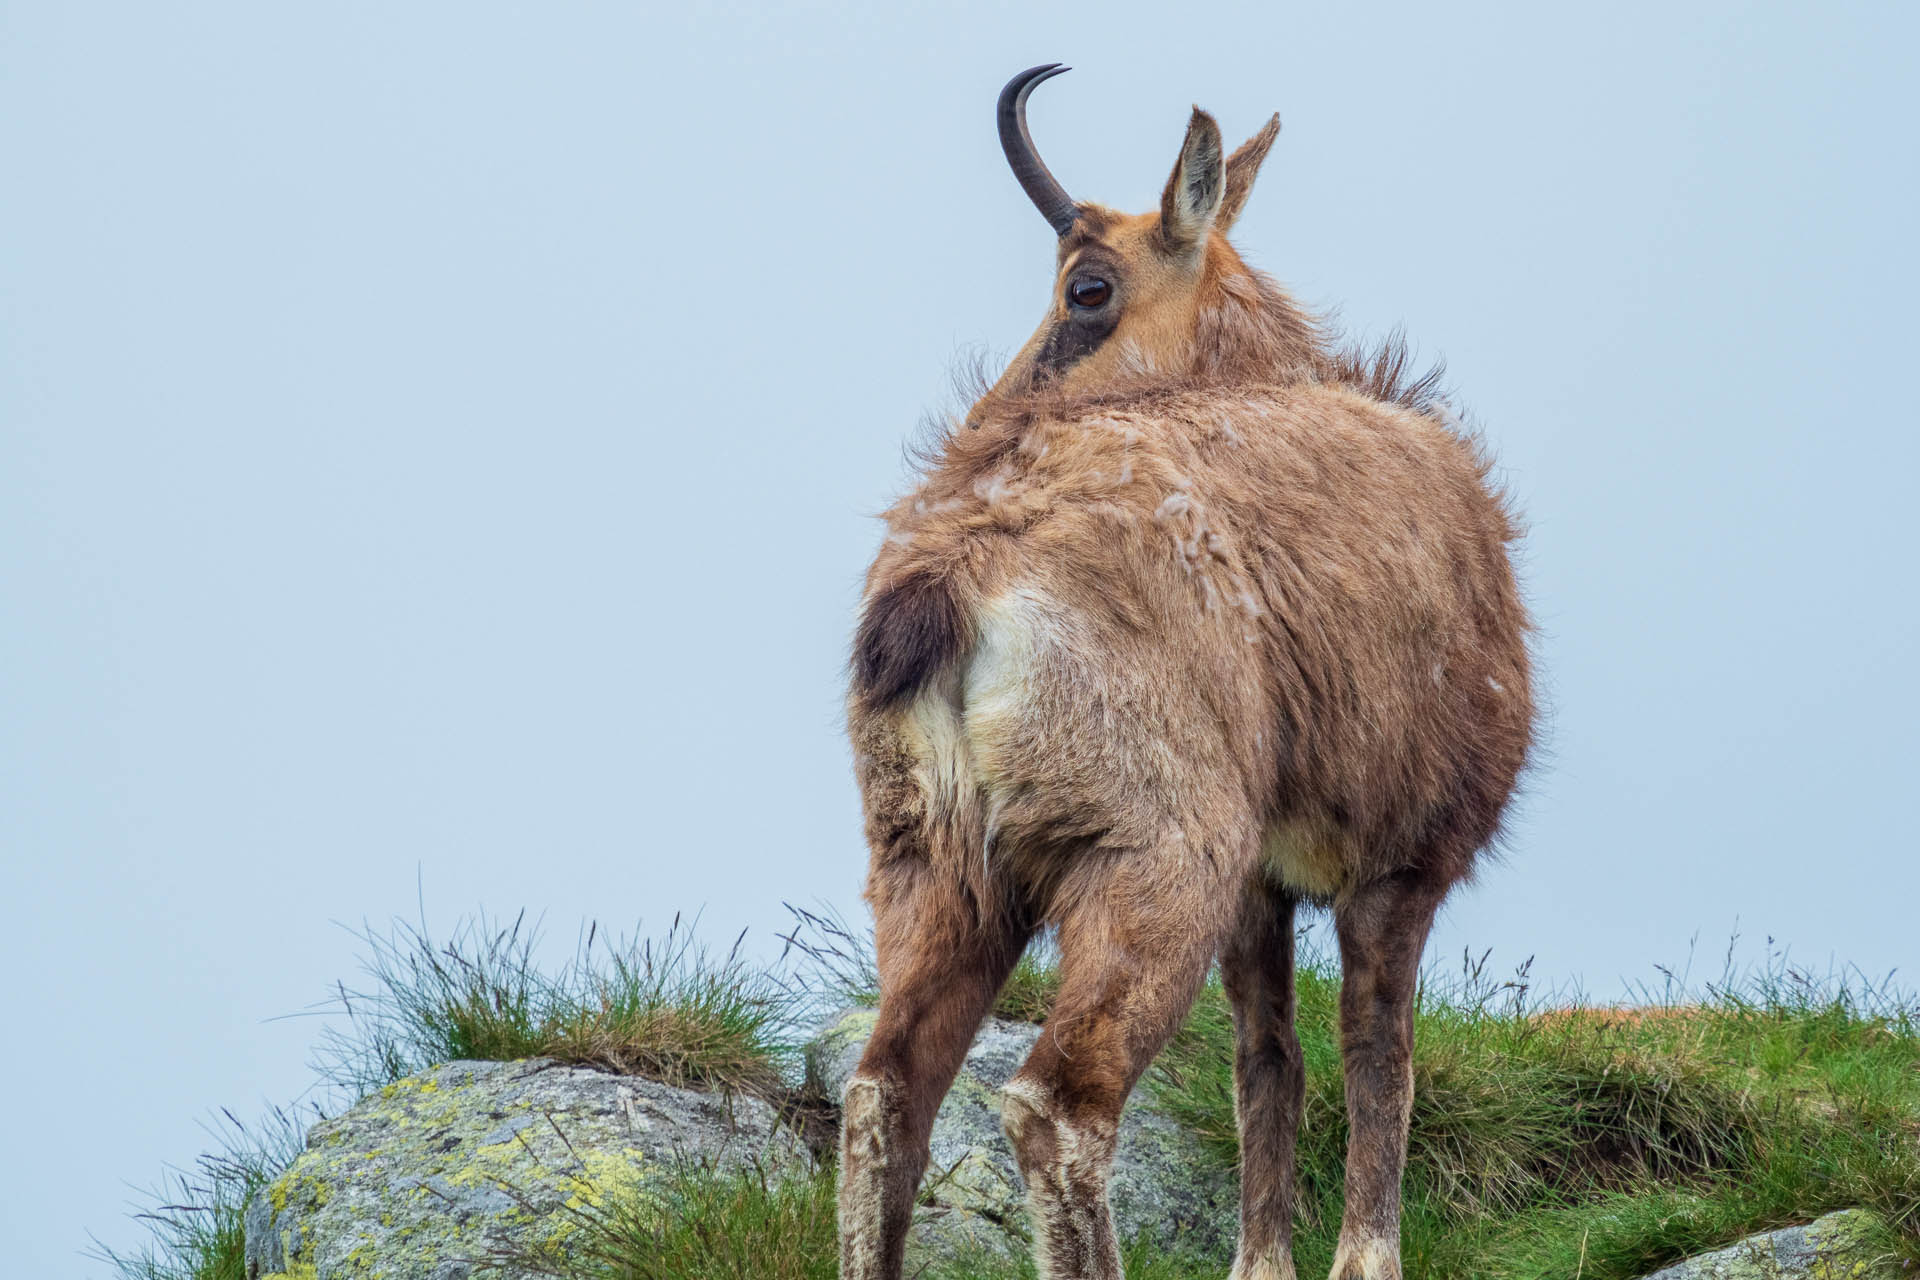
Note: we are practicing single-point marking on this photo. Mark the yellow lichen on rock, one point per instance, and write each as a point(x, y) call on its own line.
point(472, 1156)
point(294, 1271)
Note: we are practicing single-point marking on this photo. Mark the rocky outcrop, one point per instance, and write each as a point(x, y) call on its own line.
point(1838, 1245)
point(1164, 1183)
point(419, 1180)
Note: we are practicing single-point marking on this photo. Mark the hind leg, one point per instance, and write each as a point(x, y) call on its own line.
point(1270, 1082)
point(1383, 928)
point(940, 965)
point(1136, 934)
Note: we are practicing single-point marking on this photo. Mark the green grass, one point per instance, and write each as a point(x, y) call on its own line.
point(1031, 988)
point(195, 1216)
point(1548, 1139)
point(666, 1008)
point(842, 970)
point(1601, 1143)
point(700, 1225)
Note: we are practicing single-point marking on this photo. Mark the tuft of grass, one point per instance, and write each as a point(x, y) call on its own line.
point(839, 965)
point(843, 972)
point(1032, 987)
point(697, 1224)
point(666, 1008)
point(195, 1216)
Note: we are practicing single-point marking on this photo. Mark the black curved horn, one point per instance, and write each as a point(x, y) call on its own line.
point(1048, 196)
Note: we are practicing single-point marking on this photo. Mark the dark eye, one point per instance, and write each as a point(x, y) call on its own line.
point(1090, 292)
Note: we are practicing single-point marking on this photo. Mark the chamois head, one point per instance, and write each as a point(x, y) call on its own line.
point(1154, 296)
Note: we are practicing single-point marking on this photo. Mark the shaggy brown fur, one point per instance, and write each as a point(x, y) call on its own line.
point(1194, 620)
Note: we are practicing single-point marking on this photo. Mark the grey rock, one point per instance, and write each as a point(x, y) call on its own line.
point(1839, 1245)
point(1164, 1183)
point(422, 1178)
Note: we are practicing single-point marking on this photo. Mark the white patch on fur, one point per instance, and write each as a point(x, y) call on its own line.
point(1205, 553)
point(862, 1130)
point(960, 737)
point(1273, 1266)
point(1371, 1258)
point(1021, 1104)
point(1201, 543)
point(1133, 360)
point(921, 507)
point(997, 487)
point(1305, 855)
point(1055, 1194)
point(1022, 1090)
point(1010, 630)
point(937, 737)
point(993, 830)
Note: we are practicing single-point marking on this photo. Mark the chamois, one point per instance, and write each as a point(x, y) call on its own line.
point(1195, 617)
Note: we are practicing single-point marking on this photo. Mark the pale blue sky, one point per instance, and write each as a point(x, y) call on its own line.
point(441, 438)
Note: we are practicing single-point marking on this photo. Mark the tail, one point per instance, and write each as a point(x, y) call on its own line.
point(911, 628)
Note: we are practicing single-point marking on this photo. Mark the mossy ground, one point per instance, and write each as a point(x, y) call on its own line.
point(1549, 1139)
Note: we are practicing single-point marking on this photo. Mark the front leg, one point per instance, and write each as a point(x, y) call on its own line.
point(1382, 928)
point(1269, 1078)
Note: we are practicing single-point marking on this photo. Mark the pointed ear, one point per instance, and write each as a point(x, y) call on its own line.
point(1192, 199)
point(1243, 166)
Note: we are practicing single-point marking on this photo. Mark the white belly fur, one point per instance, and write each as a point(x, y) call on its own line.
point(1305, 856)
